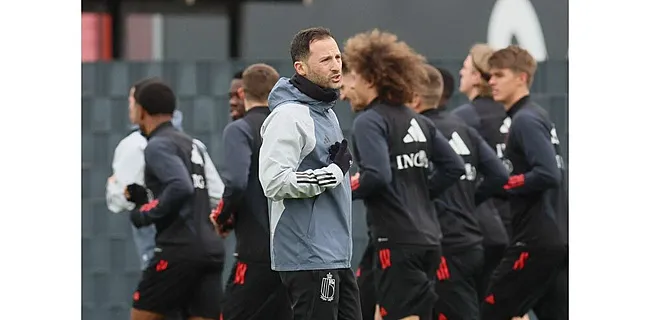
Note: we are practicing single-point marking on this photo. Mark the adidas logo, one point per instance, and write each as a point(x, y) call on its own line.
point(415, 133)
point(458, 144)
point(505, 127)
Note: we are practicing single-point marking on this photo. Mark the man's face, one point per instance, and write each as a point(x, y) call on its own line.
point(323, 67)
point(133, 112)
point(237, 109)
point(505, 84)
point(469, 77)
point(356, 90)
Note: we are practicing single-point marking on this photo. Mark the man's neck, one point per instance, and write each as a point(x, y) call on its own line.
point(155, 123)
point(473, 93)
point(252, 104)
point(516, 97)
point(371, 97)
point(422, 108)
point(443, 102)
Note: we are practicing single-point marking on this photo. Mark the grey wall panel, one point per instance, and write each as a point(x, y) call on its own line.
point(119, 82)
point(220, 76)
point(110, 268)
point(557, 80)
point(204, 109)
point(186, 84)
point(101, 115)
point(88, 79)
point(195, 37)
point(440, 28)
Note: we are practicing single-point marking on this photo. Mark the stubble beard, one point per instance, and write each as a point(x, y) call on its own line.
point(319, 80)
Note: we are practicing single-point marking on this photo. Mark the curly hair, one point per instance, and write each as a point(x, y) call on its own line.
point(391, 66)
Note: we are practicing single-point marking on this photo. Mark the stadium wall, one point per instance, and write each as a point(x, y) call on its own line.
point(110, 268)
point(436, 28)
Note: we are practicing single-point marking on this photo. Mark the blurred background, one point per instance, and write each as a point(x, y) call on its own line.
point(197, 45)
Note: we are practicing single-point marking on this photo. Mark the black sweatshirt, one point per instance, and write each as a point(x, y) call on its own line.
point(489, 118)
point(457, 205)
point(174, 172)
point(243, 196)
point(536, 185)
point(393, 146)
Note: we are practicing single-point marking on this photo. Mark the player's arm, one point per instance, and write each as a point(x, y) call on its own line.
point(447, 165)
point(213, 180)
point(369, 132)
point(236, 167)
point(165, 164)
point(284, 135)
point(128, 167)
point(534, 138)
point(494, 172)
point(469, 115)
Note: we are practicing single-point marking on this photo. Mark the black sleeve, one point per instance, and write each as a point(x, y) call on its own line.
point(534, 139)
point(236, 165)
point(469, 115)
point(369, 137)
point(447, 165)
point(494, 172)
point(164, 163)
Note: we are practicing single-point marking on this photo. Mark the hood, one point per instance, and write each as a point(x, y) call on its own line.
point(177, 121)
point(285, 92)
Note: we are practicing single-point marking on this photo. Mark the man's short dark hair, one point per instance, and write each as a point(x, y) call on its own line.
point(302, 40)
point(157, 98)
point(140, 84)
point(449, 85)
point(238, 75)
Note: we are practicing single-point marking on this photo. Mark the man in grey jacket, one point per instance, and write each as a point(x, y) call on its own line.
point(304, 163)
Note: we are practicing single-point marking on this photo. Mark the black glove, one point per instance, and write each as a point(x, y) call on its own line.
point(342, 157)
point(226, 219)
point(137, 194)
point(333, 150)
point(139, 219)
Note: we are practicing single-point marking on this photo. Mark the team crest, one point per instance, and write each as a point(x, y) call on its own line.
point(327, 288)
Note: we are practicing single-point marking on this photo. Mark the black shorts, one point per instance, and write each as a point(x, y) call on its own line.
point(254, 291)
point(457, 276)
point(554, 305)
point(366, 281)
point(177, 282)
point(492, 258)
point(406, 280)
point(323, 294)
point(522, 279)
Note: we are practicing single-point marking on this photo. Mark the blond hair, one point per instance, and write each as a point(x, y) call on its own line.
point(480, 53)
point(432, 90)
